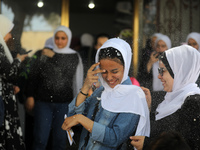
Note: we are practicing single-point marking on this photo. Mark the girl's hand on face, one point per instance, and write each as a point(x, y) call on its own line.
point(70, 122)
point(148, 96)
point(92, 75)
point(137, 142)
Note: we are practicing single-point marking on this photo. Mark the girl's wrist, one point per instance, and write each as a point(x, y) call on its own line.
point(85, 94)
point(85, 89)
point(79, 116)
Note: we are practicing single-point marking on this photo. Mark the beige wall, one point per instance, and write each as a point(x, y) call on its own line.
point(34, 40)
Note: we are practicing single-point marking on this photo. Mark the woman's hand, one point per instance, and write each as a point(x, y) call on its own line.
point(22, 57)
point(89, 80)
point(70, 122)
point(29, 104)
point(137, 142)
point(16, 89)
point(148, 96)
point(154, 57)
point(92, 76)
point(48, 52)
point(152, 60)
point(78, 119)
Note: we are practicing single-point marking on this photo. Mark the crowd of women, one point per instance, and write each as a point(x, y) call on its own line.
point(117, 115)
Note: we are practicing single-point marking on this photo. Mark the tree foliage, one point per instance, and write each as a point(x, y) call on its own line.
point(26, 9)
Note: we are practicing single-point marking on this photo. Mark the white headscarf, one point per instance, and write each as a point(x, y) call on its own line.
point(78, 77)
point(195, 36)
point(5, 27)
point(125, 98)
point(156, 35)
point(166, 39)
point(49, 43)
point(157, 84)
point(184, 61)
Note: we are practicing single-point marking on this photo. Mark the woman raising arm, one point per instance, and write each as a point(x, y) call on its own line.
point(115, 110)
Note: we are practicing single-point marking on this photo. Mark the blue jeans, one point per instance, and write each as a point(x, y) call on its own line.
point(49, 116)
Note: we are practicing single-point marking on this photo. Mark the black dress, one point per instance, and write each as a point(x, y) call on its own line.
point(186, 121)
point(11, 131)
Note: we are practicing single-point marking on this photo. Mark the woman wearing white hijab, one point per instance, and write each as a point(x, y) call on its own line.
point(148, 56)
point(52, 86)
point(150, 73)
point(115, 110)
point(180, 109)
point(193, 39)
point(10, 131)
point(78, 76)
point(162, 44)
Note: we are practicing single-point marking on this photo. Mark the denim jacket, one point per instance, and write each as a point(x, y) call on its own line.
point(110, 129)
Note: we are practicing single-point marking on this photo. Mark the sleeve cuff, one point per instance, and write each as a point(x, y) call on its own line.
point(78, 110)
point(98, 132)
point(19, 60)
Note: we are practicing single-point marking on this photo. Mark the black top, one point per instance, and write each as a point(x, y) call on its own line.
point(51, 79)
point(144, 78)
point(186, 121)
